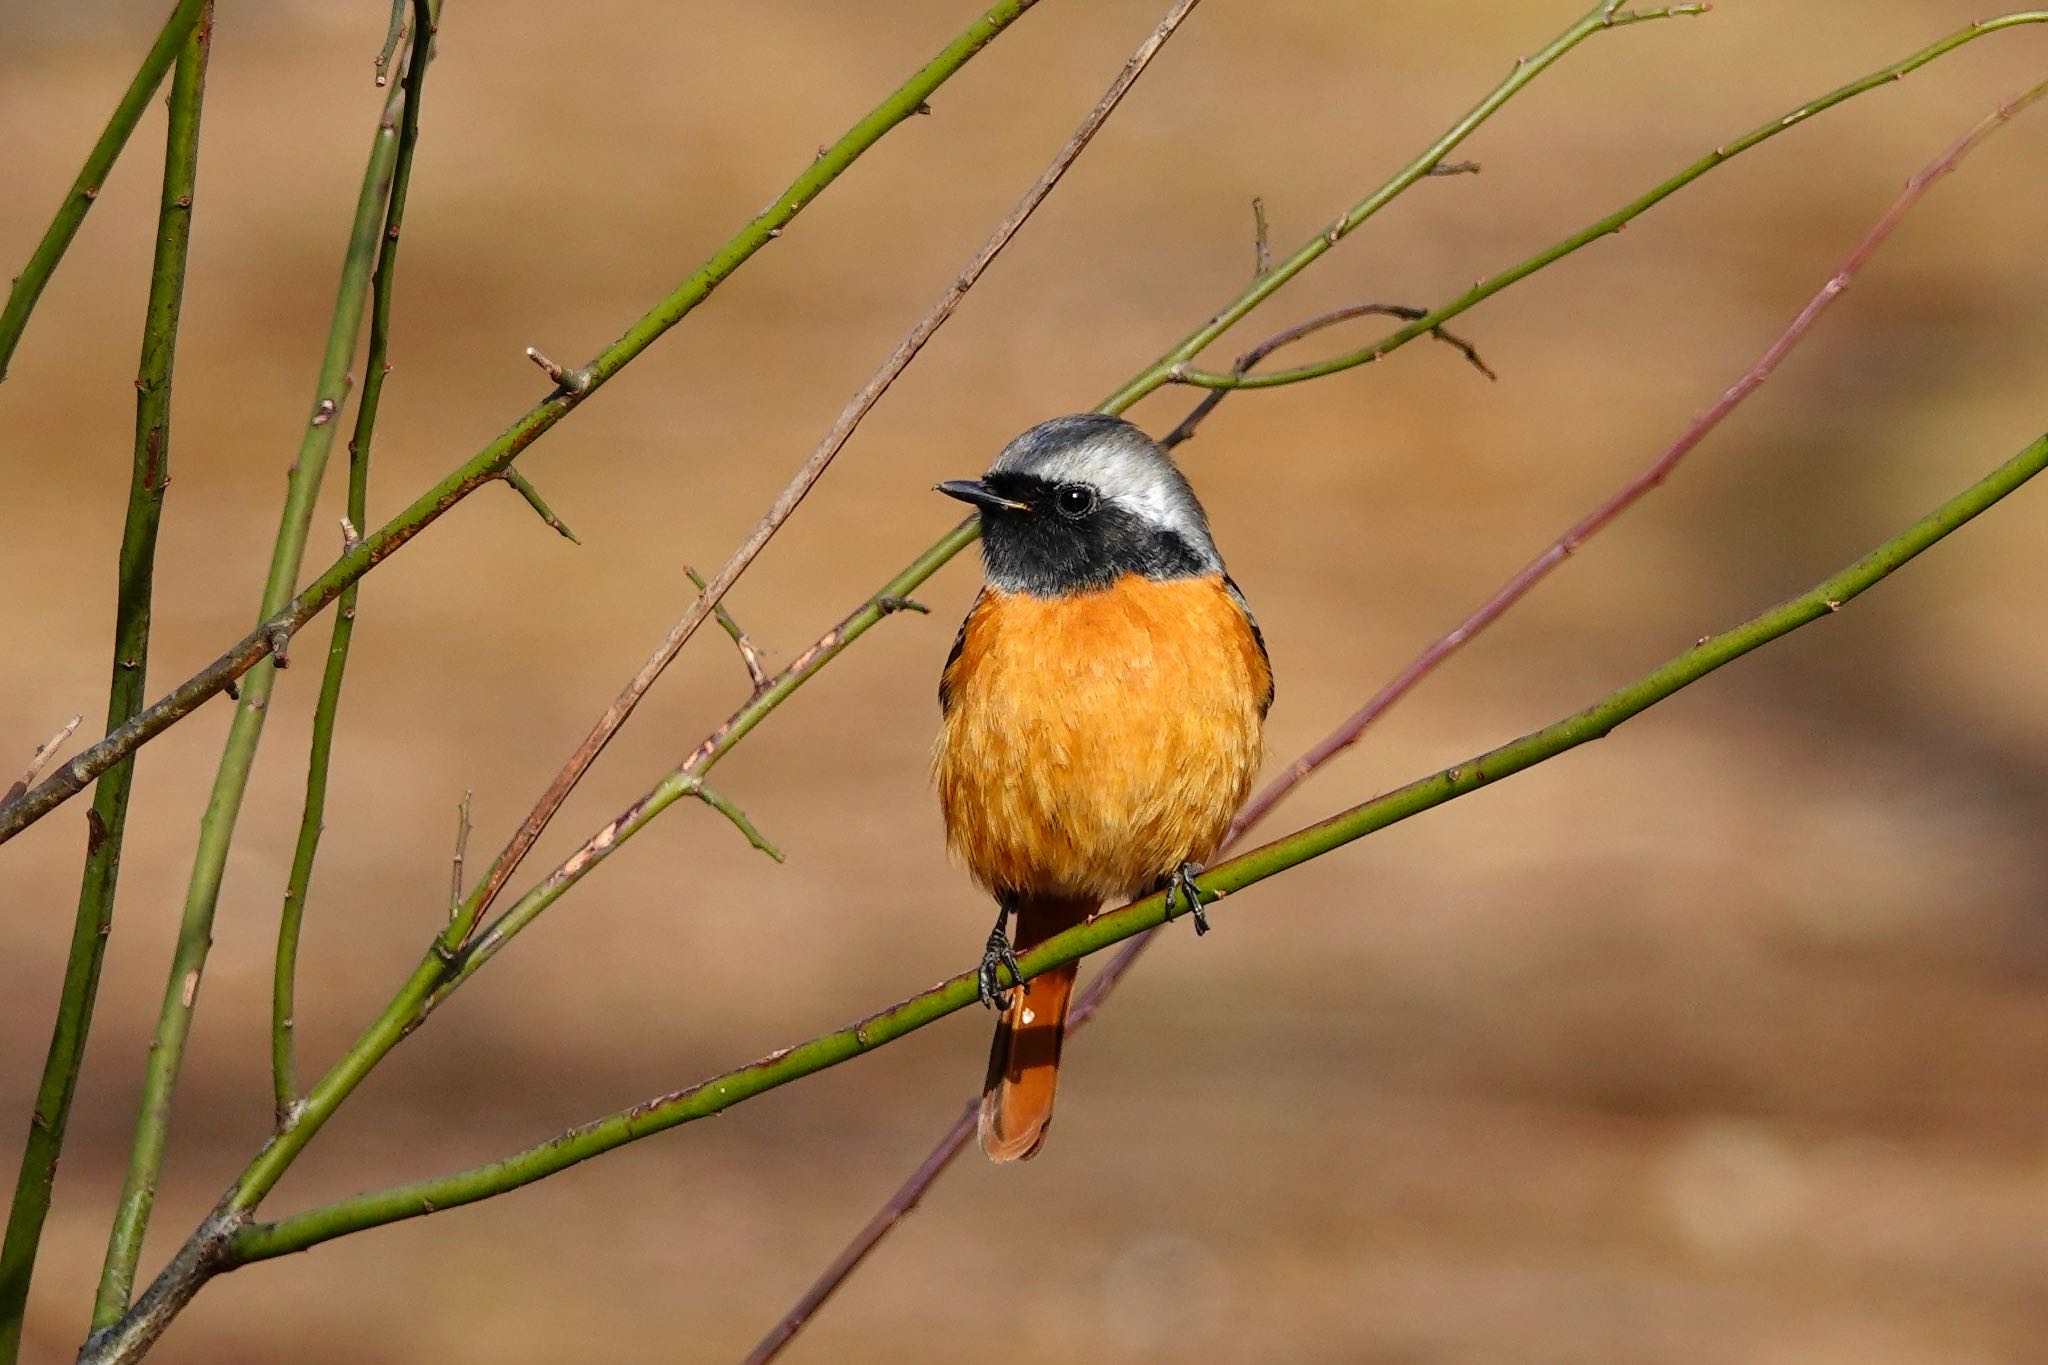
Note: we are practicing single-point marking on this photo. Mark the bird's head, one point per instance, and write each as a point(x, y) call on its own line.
point(1077, 502)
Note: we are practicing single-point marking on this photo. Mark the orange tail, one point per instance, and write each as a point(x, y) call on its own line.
point(1024, 1061)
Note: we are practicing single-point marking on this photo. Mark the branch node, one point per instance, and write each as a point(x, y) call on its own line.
point(277, 637)
point(350, 538)
point(890, 604)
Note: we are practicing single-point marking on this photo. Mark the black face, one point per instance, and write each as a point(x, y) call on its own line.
point(1066, 538)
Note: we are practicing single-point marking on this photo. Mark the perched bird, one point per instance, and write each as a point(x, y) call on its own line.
point(1103, 708)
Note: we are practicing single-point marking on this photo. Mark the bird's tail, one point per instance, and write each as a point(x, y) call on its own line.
point(1024, 1061)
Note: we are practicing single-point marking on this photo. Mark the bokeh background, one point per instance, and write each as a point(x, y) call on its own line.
point(1721, 1041)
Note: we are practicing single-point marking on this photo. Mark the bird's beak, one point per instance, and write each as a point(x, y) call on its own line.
point(980, 494)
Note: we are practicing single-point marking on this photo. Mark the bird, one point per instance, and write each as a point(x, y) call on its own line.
point(1103, 711)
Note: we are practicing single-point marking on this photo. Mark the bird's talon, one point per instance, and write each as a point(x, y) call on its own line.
point(1183, 881)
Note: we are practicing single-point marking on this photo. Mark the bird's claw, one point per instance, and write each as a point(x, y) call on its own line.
point(999, 954)
point(1182, 880)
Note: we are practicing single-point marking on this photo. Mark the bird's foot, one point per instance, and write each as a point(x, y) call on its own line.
point(1182, 880)
point(999, 954)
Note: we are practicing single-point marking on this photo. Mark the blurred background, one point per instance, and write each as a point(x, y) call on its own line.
point(1721, 1041)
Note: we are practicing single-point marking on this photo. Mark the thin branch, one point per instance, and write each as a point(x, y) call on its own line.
point(483, 467)
point(383, 180)
point(1613, 222)
point(220, 675)
point(40, 759)
point(1105, 982)
point(107, 821)
point(615, 715)
point(1288, 336)
point(757, 673)
point(1262, 246)
point(885, 1220)
point(393, 36)
point(259, 1241)
point(92, 176)
point(526, 490)
point(377, 368)
point(1167, 368)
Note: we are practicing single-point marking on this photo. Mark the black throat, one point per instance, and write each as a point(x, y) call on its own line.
point(1046, 553)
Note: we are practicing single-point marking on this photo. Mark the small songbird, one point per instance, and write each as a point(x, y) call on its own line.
point(1103, 707)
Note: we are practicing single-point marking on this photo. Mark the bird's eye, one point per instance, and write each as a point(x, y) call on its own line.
point(1075, 500)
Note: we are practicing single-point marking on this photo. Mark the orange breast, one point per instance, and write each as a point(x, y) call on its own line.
point(1096, 742)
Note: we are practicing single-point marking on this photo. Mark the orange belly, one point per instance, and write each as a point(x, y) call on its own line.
point(1094, 743)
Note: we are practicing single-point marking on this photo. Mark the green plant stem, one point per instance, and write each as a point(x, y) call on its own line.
point(487, 464)
point(216, 829)
point(258, 1241)
point(1613, 222)
point(291, 917)
point(107, 823)
point(1601, 17)
point(92, 177)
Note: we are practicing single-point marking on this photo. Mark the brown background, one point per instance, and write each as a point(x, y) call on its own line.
point(1721, 1041)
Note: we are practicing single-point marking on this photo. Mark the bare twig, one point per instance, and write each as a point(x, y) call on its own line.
point(40, 759)
point(757, 674)
point(807, 475)
point(1262, 244)
point(1105, 982)
point(1288, 336)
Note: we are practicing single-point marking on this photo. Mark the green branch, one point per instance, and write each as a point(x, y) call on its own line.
point(1596, 20)
point(92, 177)
point(291, 917)
point(486, 465)
point(259, 1241)
point(107, 824)
point(389, 159)
point(1613, 222)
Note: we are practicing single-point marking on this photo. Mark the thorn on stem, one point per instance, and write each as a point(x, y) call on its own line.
point(533, 500)
point(575, 381)
point(749, 655)
point(737, 816)
point(462, 828)
point(1454, 168)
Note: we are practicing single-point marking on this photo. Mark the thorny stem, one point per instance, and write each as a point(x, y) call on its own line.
point(258, 1241)
point(389, 157)
point(486, 465)
point(376, 368)
point(107, 821)
point(92, 176)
